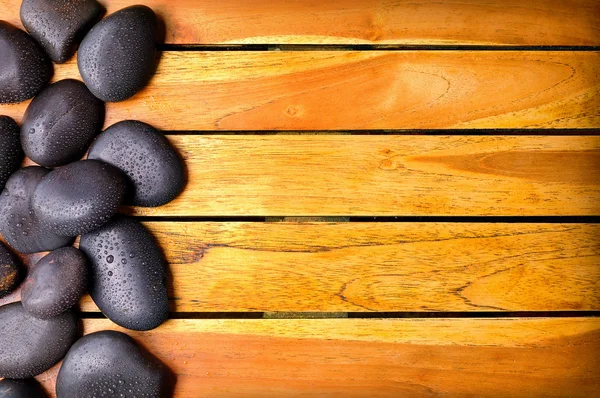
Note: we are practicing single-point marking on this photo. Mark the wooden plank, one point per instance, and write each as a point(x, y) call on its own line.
point(376, 358)
point(504, 22)
point(341, 267)
point(348, 90)
point(342, 175)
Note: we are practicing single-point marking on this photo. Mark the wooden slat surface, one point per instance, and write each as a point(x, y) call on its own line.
point(376, 358)
point(504, 22)
point(349, 90)
point(378, 266)
point(316, 175)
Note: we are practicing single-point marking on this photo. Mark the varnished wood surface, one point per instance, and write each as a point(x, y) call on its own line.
point(317, 175)
point(363, 90)
point(222, 267)
point(376, 358)
point(489, 22)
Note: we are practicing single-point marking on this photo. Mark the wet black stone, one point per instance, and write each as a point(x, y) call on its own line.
point(19, 225)
point(109, 363)
point(79, 197)
point(11, 154)
point(24, 67)
point(117, 57)
point(59, 25)
point(128, 274)
point(155, 171)
point(11, 271)
point(60, 123)
point(56, 283)
point(27, 388)
point(30, 346)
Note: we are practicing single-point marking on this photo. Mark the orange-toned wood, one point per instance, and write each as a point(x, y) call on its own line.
point(512, 22)
point(376, 358)
point(328, 175)
point(331, 90)
point(378, 266)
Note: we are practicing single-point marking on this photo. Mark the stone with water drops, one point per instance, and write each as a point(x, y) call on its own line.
point(29, 345)
point(15, 388)
point(128, 274)
point(78, 198)
point(24, 67)
point(111, 364)
point(117, 57)
point(11, 154)
point(59, 25)
point(56, 283)
point(10, 271)
point(19, 225)
point(60, 123)
point(155, 170)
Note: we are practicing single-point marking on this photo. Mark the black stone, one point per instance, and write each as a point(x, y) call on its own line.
point(30, 346)
point(11, 272)
point(109, 363)
point(27, 388)
point(11, 154)
point(79, 197)
point(24, 67)
point(155, 171)
point(19, 225)
point(59, 25)
point(60, 123)
point(117, 57)
point(128, 274)
point(56, 283)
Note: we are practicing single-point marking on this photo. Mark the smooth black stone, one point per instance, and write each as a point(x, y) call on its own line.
point(11, 272)
point(24, 67)
point(117, 57)
point(59, 25)
point(128, 274)
point(60, 123)
point(78, 198)
point(110, 363)
point(56, 283)
point(19, 225)
point(11, 154)
point(28, 388)
point(30, 346)
point(154, 168)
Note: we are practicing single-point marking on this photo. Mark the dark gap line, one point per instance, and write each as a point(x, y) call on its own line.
point(377, 315)
point(475, 315)
point(463, 132)
point(368, 47)
point(397, 219)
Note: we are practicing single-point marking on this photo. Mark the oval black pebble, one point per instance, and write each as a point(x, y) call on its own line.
point(18, 223)
point(153, 166)
point(117, 57)
point(27, 388)
point(10, 271)
point(60, 123)
point(110, 363)
point(79, 197)
point(128, 274)
point(56, 283)
point(30, 346)
point(59, 25)
point(11, 154)
point(24, 68)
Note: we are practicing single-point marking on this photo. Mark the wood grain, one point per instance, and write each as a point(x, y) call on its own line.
point(376, 358)
point(504, 22)
point(316, 175)
point(378, 266)
point(354, 90)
